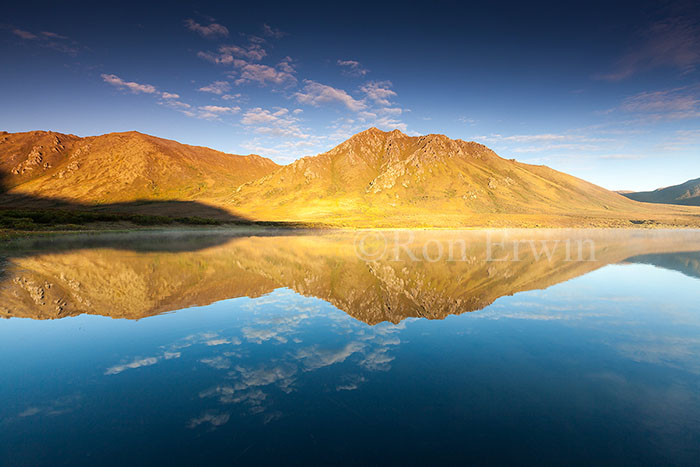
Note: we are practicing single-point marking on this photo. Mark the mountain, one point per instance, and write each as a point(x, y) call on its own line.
point(687, 194)
point(384, 179)
point(374, 179)
point(120, 167)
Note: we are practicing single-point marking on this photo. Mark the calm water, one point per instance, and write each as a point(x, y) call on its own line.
point(182, 348)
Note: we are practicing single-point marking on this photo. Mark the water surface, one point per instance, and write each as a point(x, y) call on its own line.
point(302, 348)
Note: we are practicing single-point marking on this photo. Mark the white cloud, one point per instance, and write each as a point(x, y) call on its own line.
point(211, 31)
point(169, 95)
point(316, 93)
point(175, 104)
point(264, 74)
point(252, 52)
point(276, 122)
point(132, 86)
point(234, 54)
point(209, 112)
point(379, 92)
point(352, 67)
point(217, 87)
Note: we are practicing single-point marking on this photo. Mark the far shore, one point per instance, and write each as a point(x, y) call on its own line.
point(21, 226)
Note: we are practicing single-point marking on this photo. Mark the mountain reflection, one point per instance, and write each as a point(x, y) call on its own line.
point(121, 280)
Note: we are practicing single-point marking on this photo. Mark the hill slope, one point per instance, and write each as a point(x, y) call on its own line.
point(374, 179)
point(382, 178)
point(120, 167)
point(687, 194)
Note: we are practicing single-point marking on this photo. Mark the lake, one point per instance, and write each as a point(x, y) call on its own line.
point(401, 347)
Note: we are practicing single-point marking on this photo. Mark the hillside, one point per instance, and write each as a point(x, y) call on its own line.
point(687, 194)
point(384, 179)
point(374, 179)
point(120, 167)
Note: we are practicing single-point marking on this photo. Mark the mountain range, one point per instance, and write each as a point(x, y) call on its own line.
point(687, 193)
point(374, 179)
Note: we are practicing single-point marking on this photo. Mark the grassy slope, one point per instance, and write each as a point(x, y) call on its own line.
point(120, 167)
point(378, 179)
point(375, 179)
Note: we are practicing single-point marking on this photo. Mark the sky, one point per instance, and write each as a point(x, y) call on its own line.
point(606, 91)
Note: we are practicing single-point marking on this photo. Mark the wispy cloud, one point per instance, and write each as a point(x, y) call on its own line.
point(232, 54)
point(673, 42)
point(545, 142)
point(132, 86)
point(217, 87)
point(211, 112)
point(352, 68)
point(315, 93)
point(212, 31)
point(272, 32)
point(48, 39)
point(672, 104)
point(281, 74)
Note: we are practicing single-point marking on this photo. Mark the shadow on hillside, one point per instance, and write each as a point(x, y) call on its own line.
point(41, 213)
point(167, 208)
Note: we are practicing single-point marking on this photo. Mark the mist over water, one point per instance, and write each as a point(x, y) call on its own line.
point(401, 346)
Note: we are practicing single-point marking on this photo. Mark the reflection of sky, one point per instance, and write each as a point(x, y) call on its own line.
point(610, 356)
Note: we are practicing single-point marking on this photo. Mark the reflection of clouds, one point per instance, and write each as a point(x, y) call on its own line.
point(350, 382)
point(314, 357)
point(282, 375)
point(148, 361)
point(285, 326)
point(677, 352)
point(226, 394)
point(57, 406)
point(219, 363)
point(141, 362)
point(278, 342)
point(277, 327)
point(261, 335)
point(222, 341)
point(212, 419)
point(378, 360)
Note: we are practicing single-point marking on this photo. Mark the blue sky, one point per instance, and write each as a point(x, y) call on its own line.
point(607, 92)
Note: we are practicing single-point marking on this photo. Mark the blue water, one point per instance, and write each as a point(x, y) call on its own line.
point(602, 368)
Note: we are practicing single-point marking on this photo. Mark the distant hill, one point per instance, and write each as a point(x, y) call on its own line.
point(121, 167)
point(687, 194)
